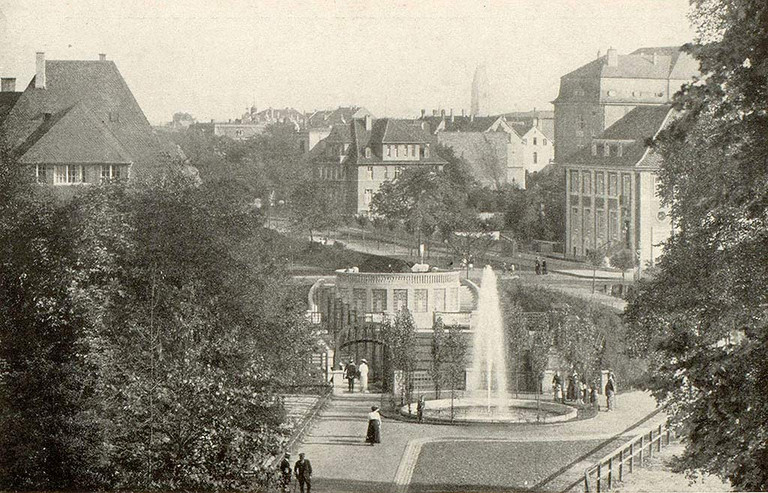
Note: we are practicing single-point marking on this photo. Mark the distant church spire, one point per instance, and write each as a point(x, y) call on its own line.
point(480, 92)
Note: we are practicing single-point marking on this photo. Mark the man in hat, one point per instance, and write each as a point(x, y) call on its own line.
point(303, 471)
point(285, 471)
point(363, 371)
point(350, 373)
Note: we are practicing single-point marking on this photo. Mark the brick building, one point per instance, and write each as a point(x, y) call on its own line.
point(598, 94)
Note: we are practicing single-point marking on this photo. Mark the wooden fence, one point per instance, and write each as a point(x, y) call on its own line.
point(602, 475)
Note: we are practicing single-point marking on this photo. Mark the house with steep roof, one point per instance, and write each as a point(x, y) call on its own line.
point(533, 150)
point(596, 95)
point(356, 158)
point(611, 199)
point(318, 124)
point(77, 122)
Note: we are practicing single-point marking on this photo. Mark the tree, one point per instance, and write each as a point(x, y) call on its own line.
point(596, 258)
point(436, 350)
point(703, 316)
point(456, 350)
point(400, 337)
point(311, 209)
point(623, 259)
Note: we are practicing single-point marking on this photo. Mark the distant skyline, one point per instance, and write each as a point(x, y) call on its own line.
point(214, 59)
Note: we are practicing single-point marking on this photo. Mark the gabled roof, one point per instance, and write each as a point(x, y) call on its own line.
point(7, 100)
point(75, 136)
point(89, 97)
point(633, 131)
point(461, 123)
point(397, 131)
point(328, 118)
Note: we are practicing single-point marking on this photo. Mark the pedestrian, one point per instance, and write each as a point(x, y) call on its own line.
point(559, 393)
point(544, 267)
point(285, 472)
point(583, 388)
point(610, 394)
point(593, 395)
point(303, 471)
point(362, 370)
point(350, 373)
point(420, 408)
point(374, 426)
point(569, 389)
point(537, 266)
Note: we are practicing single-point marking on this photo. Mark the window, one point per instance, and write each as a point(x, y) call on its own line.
point(426, 151)
point(600, 224)
point(586, 182)
point(535, 157)
point(370, 172)
point(626, 185)
point(535, 141)
point(48, 116)
point(368, 196)
point(111, 172)
point(613, 225)
point(611, 92)
point(397, 151)
point(582, 123)
point(359, 300)
point(68, 174)
point(398, 170)
point(41, 173)
point(613, 184)
point(386, 172)
point(575, 181)
point(620, 150)
point(599, 183)
point(606, 149)
point(543, 141)
point(420, 300)
point(594, 149)
point(389, 151)
point(368, 152)
point(439, 300)
point(400, 299)
point(379, 300)
point(575, 219)
point(114, 116)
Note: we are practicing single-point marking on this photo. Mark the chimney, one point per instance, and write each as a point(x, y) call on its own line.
point(8, 84)
point(463, 113)
point(40, 73)
point(452, 115)
point(599, 54)
point(368, 123)
point(102, 57)
point(655, 58)
point(434, 112)
point(613, 58)
point(423, 112)
point(442, 113)
point(471, 117)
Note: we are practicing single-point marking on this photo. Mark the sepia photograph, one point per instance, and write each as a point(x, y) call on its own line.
point(393, 246)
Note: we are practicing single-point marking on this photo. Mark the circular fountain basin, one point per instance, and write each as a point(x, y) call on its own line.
point(477, 410)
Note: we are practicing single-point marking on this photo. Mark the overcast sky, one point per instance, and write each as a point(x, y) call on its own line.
point(214, 58)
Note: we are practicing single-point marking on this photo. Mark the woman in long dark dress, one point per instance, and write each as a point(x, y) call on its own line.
point(374, 426)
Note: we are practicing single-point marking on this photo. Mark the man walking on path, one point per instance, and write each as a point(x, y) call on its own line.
point(610, 393)
point(363, 371)
point(286, 472)
point(351, 374)
point(303, 472)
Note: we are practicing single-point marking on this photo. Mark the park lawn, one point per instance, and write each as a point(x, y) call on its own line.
point(478, 466)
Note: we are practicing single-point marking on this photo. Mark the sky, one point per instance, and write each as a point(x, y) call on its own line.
point(214, 58)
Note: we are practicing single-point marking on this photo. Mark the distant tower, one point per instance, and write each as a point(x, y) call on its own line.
point(480, 92)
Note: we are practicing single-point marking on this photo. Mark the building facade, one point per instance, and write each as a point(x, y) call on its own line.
point(611, 199)
point(318, 124)
point(77, 122)
point(598, 94)
point(356, 158)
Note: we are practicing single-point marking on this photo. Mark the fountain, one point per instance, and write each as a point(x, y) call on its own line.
point(487, 399)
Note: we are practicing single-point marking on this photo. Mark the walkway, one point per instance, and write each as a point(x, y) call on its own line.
point(343, 463)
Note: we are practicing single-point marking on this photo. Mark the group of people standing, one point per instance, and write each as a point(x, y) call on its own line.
point(540, 266)
point(353, 372)
point(577, 390)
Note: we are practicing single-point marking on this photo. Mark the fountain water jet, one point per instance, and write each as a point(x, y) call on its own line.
point(489, 363)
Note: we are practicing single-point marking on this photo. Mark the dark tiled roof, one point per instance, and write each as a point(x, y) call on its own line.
point(7, 100)
point(340, 134)
point(671, 63)
point(95, 91)
point(526, 115)
point(328, 118)
point(521, 128)
point(460, 123)
point(637, 126)
point(397, 131)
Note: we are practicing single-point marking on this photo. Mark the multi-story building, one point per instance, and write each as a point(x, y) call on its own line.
point(611, 198)
point(532, 148)
point(318, 124)
point(77, 122)
point(358, 157)
point(598, 94)
point(254, 122)
point(543, 120)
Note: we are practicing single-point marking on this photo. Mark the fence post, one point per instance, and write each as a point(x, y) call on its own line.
point(642, 446)
point(650, 445)
point(621, 465)
point(660, 438)
point(599, 473)
point(610, 473)
point(631, 457)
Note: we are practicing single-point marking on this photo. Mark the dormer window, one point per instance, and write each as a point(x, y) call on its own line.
point(426, 150)
point(389, 151)
point(620, 150)
point(535, 141)
point(606, 150)
point(368, 152)
point(114, 116)
point(47, 117)
point(594, 149)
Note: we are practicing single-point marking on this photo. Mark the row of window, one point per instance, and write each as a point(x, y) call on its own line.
point(442, 300)
point(403, 150)
point(73, 174)
point(332, 173)
point(337, 149)
point(616, 231)
point(636, 94)
point(608, 149)
point(613, 183)
point(536, 141)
